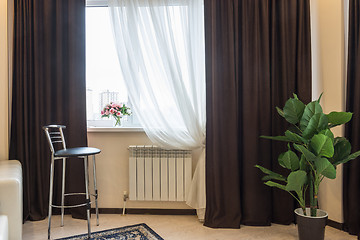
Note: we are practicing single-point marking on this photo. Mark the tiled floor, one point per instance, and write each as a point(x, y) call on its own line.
point(170, 228)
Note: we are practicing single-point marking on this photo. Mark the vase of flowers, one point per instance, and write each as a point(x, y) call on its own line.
point(117, 111)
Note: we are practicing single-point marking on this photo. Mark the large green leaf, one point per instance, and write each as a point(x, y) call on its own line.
point(271, 174)
point(322, 145)
point(274, 184)
point(339, 139)
point(293, 110)
point(289, 160)
point(338, 118)
point(310, 110)
point(290, 137)
point(310, 157)
point(317, 123)
point(293, 137)
point(350, 157)
point(327, 132)
point(296, 181)
point(280, 160)
point(277, 138)
point(324, 167)
point(342, 149)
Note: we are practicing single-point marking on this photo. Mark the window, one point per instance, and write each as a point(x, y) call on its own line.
point(152, 82)
point(104, 81)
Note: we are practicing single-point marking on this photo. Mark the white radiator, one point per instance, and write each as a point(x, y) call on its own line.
point(156, 174)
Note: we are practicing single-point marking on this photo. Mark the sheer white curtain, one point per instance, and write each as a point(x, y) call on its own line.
point(160, 46)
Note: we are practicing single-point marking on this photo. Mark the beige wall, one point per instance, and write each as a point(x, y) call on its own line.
point(328, 77)
point(112, 164)
point(3, 80)
point(112, 167)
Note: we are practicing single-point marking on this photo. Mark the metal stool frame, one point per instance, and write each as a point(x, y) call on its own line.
point(57, 137)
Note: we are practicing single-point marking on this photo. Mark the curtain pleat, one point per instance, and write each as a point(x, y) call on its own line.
point(351, 176)
point(48, 88)
point(257, 55)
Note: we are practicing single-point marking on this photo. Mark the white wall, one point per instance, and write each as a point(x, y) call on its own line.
point(4, 133)
point(328, 77)
point(112, 167)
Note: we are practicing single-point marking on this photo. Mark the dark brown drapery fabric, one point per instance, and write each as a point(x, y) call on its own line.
point(351, 170)
point(257, 55)
point(48, 87)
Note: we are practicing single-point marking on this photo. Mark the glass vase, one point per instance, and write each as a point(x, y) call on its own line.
point(117, 122)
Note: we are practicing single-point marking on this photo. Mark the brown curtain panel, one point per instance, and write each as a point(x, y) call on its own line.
point(48, 87)
point(257, 55)
point(351, 170)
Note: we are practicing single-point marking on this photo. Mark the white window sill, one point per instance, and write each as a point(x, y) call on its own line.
point(114, 129)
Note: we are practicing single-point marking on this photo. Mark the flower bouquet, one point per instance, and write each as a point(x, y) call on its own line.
point(117, 111)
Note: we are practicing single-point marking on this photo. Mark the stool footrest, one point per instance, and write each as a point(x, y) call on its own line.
point(72, 206)
point(74, 194)
point(87, 203)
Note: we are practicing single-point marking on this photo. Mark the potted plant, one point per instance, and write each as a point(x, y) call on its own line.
point(313, 154)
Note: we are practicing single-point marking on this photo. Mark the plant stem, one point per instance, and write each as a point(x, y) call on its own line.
point(298, 128)
point(304, 197)
point(313, 199)
point(316, 191)
point(118, 121)
point(301, 200)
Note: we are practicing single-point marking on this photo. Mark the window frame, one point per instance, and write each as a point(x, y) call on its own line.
point(97, 3)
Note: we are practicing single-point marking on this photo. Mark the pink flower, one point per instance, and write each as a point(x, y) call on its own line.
point(113, 105)
point(106, 112)
point(102, 112)
point(112, 111)
point(118, 114)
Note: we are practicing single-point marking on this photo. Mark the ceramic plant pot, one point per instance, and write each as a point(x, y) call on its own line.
point(311, 227)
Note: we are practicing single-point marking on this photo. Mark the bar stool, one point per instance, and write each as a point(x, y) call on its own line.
point(55, 136)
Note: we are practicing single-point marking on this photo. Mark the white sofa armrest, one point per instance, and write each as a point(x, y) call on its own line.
point(4, 227)
point(11, 196)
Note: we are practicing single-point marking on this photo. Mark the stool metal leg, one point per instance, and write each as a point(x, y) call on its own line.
point(86, 162)
point(50, 194)
point(96, 192)
point(63, 192)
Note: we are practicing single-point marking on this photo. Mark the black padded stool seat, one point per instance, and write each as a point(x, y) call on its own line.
point(78, 151)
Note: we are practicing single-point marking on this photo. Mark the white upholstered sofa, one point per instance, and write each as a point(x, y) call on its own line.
point(11, 200)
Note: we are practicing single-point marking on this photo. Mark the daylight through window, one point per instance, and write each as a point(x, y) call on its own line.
point(104, 81)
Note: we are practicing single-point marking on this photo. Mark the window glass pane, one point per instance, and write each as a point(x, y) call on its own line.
point(104, 81)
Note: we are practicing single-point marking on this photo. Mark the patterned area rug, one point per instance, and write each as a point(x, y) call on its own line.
point(135, 232)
